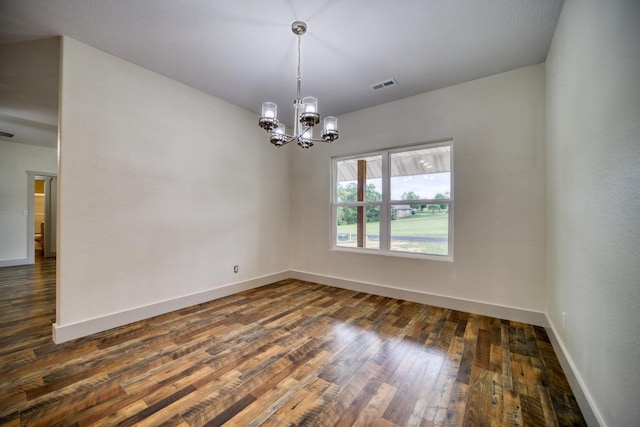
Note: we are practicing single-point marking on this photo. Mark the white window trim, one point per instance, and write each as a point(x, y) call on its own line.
point(386, 203)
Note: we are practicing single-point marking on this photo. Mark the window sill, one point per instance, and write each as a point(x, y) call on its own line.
point(394, 254)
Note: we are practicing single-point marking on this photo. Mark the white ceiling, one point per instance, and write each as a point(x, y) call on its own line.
point(29, 76)
point(243, 51)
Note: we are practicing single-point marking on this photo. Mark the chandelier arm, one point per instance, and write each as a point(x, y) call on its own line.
point(319, 140)
point(287, 135)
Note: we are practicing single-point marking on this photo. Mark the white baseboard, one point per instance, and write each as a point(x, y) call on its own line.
point(589, 411)
point(63, 333)
point(13, 262)
point(485, 309)
point(585, 401)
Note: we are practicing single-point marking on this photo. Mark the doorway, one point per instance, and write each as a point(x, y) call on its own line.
point(41, 232)
point(38, 216)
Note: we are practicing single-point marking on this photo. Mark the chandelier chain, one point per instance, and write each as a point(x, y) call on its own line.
point(299, 77)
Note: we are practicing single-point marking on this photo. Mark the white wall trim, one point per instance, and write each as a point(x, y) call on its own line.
point(485, 309)
point(589, 410)
point(63, 333)
point(17, 261)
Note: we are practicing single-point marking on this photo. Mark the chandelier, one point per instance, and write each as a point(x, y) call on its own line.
point(306, 114)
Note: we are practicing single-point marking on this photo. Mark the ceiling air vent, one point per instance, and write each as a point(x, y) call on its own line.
point(386, 83)
point(6, 134)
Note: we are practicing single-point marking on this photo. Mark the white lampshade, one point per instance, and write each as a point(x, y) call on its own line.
point(330, 123)
point(309, 104)
point(281, 129)
point(269, 110)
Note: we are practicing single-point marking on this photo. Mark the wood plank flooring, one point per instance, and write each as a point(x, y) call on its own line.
point(290, 353)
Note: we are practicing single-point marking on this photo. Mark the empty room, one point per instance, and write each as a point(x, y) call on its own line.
point(371, 213)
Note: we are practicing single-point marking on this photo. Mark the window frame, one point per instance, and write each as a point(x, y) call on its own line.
point(386, 203)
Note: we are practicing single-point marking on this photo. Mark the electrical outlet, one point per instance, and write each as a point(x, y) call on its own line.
point(564, 320)
point(235, 268)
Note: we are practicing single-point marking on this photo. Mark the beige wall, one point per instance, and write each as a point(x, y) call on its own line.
point(497, 124)
point(593, 192)
point(15, 160)
point(163, 189)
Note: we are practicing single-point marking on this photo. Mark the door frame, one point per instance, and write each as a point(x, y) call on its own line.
point(46, 176)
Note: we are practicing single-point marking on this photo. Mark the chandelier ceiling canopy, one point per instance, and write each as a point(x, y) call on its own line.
point(305, 109)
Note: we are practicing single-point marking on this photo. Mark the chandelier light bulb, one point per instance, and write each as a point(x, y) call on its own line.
point(269, 110)
point(278, 137)
point(330, 131)
point(309, 104)
point(308, 134)
point(330, 123)
point(309, 115)
point(306, 139)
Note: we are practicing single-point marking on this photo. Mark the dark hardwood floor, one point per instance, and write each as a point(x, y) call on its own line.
point(290, 353)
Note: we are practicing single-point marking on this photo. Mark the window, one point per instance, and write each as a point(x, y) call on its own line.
point(395, 202)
